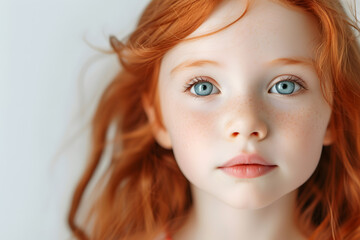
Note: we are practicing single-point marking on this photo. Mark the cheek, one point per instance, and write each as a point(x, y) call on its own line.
point(191, 132)
point(299, 137)
point(305, 125)
point(188, 127)
point(189, 122)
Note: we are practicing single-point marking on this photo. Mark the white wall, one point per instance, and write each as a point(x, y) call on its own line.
point(42, 53)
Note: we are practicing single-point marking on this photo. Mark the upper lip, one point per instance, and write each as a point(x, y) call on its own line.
point(244, 159)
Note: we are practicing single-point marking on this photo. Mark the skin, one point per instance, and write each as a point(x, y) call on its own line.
point(244, 115)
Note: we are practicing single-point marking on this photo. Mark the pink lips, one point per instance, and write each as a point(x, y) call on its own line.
point(247, 166)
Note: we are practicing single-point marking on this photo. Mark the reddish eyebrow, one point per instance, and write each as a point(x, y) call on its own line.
point(278, 61)
point(191, 63)
point(292, 61)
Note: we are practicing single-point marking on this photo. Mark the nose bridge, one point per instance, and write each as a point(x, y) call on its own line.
point(246, 118)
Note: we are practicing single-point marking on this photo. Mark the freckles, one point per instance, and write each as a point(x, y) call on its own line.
point(299, 124)
point(191, 132)
point(190, 126)
point(201, 124)
point(287, 122)
point(299, 130)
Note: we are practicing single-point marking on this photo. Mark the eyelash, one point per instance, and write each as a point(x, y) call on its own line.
point(195, 80)
point(290, 78)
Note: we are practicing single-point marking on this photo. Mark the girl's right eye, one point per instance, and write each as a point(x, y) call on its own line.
point(201, 87)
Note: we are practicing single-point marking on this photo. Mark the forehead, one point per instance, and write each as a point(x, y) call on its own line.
point(267, 31)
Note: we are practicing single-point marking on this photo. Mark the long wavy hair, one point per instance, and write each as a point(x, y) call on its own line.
point(143, 192)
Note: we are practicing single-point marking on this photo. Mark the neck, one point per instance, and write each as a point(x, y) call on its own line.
point(212, 219)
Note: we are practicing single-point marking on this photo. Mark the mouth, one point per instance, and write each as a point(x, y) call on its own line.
point(247, 166)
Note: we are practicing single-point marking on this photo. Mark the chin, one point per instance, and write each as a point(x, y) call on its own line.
point(247, 202)
point(248, 206)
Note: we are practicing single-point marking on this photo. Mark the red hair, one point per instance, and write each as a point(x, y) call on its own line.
point(143, 191)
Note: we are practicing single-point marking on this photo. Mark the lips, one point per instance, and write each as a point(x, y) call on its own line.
point(246, 159)
point(247, 166)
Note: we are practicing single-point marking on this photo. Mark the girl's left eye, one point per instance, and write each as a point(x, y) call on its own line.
point(287, 86)
point(201, 87)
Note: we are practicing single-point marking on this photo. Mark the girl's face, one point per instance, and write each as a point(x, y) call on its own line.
point(249, 89)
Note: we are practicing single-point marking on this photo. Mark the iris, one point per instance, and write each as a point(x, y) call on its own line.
point(285, 87)
point(203, 88)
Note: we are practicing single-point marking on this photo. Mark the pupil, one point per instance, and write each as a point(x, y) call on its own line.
point(203, 89)
point(285, 87)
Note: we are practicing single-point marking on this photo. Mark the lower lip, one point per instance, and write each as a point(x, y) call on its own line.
point(248, 170)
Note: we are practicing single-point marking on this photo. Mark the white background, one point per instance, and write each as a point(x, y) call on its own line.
point(45, 102)
point(50, 80)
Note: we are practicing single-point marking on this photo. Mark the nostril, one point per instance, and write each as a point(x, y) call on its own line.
point(234, 134)
point(256, 134)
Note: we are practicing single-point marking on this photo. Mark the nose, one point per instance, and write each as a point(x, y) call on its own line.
point(247, 120)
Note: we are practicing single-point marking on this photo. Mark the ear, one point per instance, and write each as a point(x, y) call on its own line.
point(160, 133)
point(328, 138)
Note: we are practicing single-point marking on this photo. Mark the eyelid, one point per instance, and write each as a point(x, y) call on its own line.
point(198, 79)
point(290, 78)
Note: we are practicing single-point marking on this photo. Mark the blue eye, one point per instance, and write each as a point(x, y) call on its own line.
point(201, 87)
point(286, 87)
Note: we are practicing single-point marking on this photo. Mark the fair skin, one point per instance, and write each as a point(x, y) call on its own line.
point(245, 112)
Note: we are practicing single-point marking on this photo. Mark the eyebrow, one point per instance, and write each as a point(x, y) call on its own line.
point(192, 63)
point(291, 61)
point(278, 61)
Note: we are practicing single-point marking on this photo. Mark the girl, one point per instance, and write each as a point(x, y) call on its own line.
point(234, 120)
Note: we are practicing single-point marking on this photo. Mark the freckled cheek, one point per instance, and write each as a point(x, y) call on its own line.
point(192, 135)
point(291, 125)
point(188, 126)
point(303, 125)
point(300, 135)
